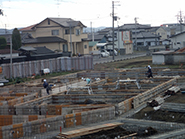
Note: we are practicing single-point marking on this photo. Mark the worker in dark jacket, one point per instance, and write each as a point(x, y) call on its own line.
point(46, 85)
point(149, 71)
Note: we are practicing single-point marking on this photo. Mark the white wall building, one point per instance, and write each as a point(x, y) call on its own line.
point(178, 40)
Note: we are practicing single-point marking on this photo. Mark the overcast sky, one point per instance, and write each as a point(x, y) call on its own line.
point(23, 13)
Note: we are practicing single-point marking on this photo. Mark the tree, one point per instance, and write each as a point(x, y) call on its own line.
point(16, 39)
point(3, 42)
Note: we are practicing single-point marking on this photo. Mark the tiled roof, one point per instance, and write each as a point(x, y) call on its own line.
point(42, 50)
point(133, 26)
point(177, 34)
point(182, 50)
point(27, 28)
point(52, 39)
point(36, 50)
point(65, 22)
point(97, 37)
point(145, 35)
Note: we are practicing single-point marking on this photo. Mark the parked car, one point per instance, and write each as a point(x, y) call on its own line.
point(104, 53)
point(111, 52)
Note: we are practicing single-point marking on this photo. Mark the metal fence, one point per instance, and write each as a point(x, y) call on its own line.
point(25, 69)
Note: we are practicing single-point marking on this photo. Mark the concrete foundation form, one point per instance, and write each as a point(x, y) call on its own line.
point(43, 114)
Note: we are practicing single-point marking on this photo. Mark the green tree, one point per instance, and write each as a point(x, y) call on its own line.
point(3, 42)
point(16, 39)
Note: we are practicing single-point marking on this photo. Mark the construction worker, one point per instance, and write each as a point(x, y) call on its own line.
point(149, 71)
point(87, 80)
point(46, 85)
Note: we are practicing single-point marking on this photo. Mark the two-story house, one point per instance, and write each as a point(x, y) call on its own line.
point(178, 40)
point(58, 34)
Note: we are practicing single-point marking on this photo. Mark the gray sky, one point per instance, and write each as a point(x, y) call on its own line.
point(22, 13)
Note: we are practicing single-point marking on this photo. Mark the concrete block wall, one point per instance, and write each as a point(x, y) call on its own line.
point(111, 98)
point(19, 100)
point(15, 119)
point(4, 90)
point(38, 101)
point(149, 94)
point(142, 98)
point(55, 123)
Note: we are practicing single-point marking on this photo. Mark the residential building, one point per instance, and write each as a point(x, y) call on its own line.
point(94, 39)
point(178, 40)
point(146, 39)
point(58, 34)
point(139, 34)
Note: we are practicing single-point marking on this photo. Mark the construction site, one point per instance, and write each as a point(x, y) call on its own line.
point(115, 104)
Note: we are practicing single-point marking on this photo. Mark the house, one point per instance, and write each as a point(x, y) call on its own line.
point(178, 40)
point(57, 34)
point(173, 28)
point(134, 31)
point(146, 39)
point(94, 39)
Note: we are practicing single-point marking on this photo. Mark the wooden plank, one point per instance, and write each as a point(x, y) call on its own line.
point(1, 133)
point(18, 130)
point(130, 135)
point(78, 119)
point(69, 120)
point(58, 109)
point(88, 130)
point(32, 117)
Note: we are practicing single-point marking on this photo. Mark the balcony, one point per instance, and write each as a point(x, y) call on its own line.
point(75, 38)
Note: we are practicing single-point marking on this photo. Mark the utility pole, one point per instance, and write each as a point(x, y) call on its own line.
point(113, 18)
point(113, 29)
point(92, 33)
point(180, 21)
point(135, 32)
point(71, 47)
point(118, 41)
point(11, 57)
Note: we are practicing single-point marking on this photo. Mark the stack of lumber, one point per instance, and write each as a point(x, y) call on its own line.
point(87, 130)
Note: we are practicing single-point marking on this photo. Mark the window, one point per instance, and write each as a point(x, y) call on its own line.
point(85, 46)
point(65, 48)
point(55, 32)
point(67, 31)
point(48, 22)
point(77, 32)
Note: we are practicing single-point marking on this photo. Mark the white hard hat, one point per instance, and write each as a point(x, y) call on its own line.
point(44, 80)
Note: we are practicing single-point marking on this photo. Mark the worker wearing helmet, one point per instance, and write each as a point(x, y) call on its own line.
point(149, 71)
point(46, 85)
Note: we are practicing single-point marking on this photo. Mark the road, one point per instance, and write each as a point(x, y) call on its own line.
point(98, 60)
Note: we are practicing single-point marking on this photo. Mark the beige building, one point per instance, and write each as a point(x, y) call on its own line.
point(58, 34)
point(162, 32)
